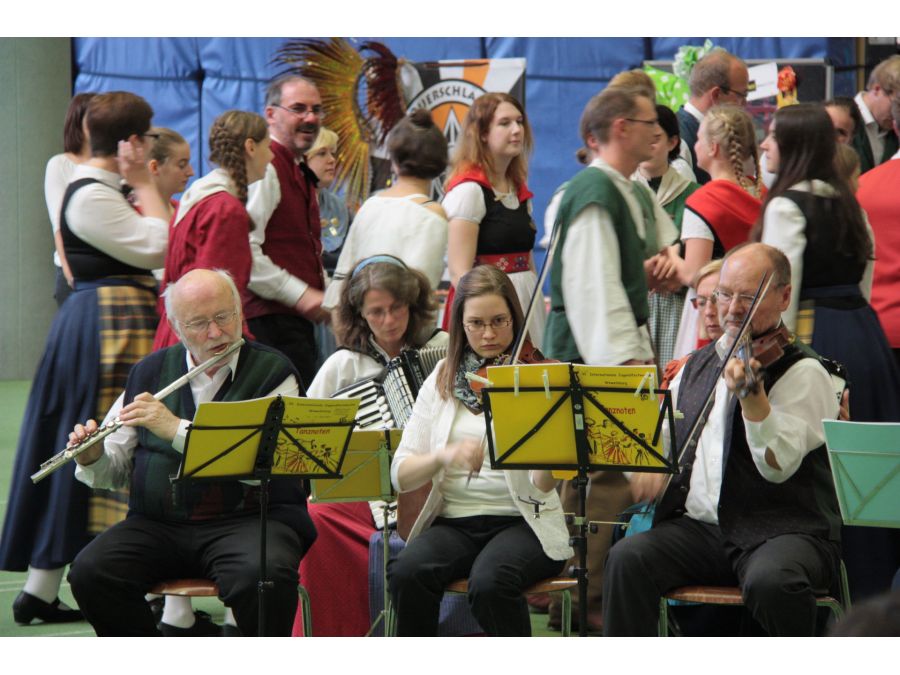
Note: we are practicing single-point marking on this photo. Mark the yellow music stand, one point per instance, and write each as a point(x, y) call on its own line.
point(367, 477)
point(263, 439)
point(366, 471)
point(577, 419)
point(571, 417)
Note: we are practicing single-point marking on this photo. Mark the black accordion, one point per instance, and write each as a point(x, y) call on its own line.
point(388, 397)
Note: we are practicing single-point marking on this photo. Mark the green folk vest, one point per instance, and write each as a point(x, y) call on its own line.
point(593, 186)
point(259, 370)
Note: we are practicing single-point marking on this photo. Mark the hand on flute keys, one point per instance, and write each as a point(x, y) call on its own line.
point(144, 411)
point(81, 433)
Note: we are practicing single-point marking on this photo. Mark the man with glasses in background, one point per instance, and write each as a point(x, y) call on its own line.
point(717, 78)
point(753, 504)
point(287, 279)
point(610, 230)
point(205, 530)
point(875, 141)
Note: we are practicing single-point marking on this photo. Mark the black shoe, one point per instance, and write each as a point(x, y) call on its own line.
point(231, 631)
point(156, 606)
point(203, 627)
point(27, 607)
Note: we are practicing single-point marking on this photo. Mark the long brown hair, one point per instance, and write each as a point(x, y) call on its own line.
point(472, 151)
point(806, 150)
point(407, 285)
point(480, 280)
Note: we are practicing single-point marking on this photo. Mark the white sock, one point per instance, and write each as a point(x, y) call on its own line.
point(178, 612)
point(44, 584)
point(229, 617)
point(152, 596)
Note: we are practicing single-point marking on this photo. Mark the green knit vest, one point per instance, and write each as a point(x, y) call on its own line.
point(593, 186)
point(155, 460)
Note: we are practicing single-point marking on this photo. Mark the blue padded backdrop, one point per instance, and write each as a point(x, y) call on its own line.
point(189, 81)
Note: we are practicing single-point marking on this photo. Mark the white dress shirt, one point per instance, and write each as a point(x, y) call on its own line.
point(799, 401)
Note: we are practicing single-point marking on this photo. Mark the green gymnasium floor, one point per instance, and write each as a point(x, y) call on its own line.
point(13, 395)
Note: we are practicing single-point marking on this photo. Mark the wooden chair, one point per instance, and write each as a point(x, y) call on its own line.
point(203, 588)
point(563, 585)
point(731, 595)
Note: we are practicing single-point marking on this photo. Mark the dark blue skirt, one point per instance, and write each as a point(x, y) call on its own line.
point(46, 524)
point(847, 330)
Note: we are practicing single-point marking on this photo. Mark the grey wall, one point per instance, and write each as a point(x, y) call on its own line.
point(35, 87)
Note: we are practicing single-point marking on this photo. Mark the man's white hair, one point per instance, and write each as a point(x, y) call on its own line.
point(172, 289)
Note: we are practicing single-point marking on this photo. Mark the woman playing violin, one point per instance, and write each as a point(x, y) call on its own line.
point(478, 522)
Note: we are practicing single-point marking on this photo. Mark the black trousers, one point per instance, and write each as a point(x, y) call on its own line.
point(112, 574)
point(778, 579)
point(500, 555)
point(293, 336)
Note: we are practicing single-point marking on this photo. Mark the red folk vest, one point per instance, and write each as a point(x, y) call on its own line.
point(293, 234)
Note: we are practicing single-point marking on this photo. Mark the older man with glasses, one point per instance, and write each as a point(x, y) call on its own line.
point(754, 503)
point(207, 530)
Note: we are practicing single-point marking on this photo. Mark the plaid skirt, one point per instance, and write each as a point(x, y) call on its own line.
point(101, 330)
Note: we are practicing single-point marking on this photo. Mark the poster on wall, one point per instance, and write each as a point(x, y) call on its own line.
point(448, 88)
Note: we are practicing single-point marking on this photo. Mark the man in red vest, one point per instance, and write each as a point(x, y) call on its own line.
point(878, 196)
point(287, 278)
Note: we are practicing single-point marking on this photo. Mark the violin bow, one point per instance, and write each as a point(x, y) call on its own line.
point(758, 297)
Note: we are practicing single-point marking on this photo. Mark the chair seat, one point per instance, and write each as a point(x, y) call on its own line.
point(724, 595)
point(186, 588)
point(550, 585)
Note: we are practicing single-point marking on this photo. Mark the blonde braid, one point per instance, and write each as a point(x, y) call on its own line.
point(226, 144)
point(732, 128)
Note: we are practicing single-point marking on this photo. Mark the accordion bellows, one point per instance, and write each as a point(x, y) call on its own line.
point(387, 398)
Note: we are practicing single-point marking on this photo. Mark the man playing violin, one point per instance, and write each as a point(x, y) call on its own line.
point(207, 530)
point(754, 503)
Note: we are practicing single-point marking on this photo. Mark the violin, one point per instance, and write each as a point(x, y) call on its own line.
point(528, 354)
point(766, 349)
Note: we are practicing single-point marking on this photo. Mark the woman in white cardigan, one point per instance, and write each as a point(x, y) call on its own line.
point(478, 523)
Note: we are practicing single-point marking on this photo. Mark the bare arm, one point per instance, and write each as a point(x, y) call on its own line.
point(462, 241)
point(133, 167)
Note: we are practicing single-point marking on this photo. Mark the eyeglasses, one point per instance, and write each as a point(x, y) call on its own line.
point(701, 301)
point(741, 95)
point(726, 298)
point(155, 137)
point(649, 123)
point(302, 110)
point(198, 326)
point(479, 326)
point(380, 314)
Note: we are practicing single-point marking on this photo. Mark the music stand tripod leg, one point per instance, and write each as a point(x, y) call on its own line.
point(580, 542)
point(384, 616)
point(264, 583)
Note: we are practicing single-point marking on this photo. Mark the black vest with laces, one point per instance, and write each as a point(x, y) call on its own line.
point(86, 261)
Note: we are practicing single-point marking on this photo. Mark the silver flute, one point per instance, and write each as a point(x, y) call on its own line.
point(63, 457)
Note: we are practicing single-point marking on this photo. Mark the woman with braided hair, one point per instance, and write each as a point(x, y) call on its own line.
point(719, 215)
point(212, 225)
